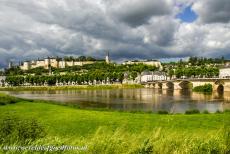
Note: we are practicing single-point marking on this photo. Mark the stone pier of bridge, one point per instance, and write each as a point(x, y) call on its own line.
point(217, 84)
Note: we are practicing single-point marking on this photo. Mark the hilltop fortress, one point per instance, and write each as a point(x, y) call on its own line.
point(49, 62)
point(52, 62)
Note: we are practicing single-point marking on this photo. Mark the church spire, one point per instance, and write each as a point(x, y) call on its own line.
point(107, 60)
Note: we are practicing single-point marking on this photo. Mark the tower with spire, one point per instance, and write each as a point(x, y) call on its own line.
point(10, 65)
point(107, 60)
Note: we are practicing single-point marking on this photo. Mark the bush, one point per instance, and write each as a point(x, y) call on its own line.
point(162, 112)
point(5, 99)
point(15, 130)
point(205, 112)
point(207, 88)
point(194, 111)
point(218, 111)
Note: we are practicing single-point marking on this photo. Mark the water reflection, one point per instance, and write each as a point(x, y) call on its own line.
point(174, 101)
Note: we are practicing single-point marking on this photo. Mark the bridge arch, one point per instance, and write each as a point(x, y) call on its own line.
point(219, 86)
point(159, 85)
point(186, 84)
point(170, 85)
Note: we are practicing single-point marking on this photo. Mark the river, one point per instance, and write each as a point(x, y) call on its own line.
point(143, 99)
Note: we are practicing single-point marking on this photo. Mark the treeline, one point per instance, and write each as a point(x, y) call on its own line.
point(99, 72)
point(194, 72)
point(81, 58)
point(197, 61)
point(65, 79)
point(202, 60)
point(100, 66)
point(104, 67)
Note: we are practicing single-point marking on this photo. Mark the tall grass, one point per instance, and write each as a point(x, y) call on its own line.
point(158, 141)
point(19, 130)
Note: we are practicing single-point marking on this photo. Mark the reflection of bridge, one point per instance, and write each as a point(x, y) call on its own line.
point(217, 84)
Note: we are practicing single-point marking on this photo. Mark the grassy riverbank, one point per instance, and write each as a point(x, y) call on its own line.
point(120, 132)
point(77, 87)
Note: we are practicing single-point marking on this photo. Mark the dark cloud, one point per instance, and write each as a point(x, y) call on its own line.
point(130, 29)
point(212, 11)
point(136, 13)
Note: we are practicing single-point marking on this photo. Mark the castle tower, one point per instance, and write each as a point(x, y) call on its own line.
point(107, 60)
point(10, 65)
point(47, 63)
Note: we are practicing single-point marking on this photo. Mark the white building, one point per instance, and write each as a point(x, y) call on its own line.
point(155, 63)
point(224, 73)
point(52, 62)
point(153, 76)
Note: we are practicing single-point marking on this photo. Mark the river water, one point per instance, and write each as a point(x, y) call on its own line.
point(143, 99)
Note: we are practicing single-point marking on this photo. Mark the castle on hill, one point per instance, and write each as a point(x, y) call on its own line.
point(48, 62)
point(52, 62)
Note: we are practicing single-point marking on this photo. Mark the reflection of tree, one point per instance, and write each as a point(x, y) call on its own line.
point(169, 92)
point(186, 92)
point(219, 95)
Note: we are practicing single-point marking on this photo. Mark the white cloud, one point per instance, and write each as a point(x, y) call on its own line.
point(129, 29)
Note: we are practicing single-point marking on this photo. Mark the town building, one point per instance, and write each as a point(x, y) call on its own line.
point(56, 63)
point(148, 76)
point(52, 62)
point(224, 72)
point(155, 63)
point(227, 63)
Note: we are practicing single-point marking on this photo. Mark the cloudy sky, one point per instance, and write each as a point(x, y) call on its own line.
point(129, 29)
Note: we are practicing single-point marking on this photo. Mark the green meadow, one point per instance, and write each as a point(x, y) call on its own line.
point(111, 131)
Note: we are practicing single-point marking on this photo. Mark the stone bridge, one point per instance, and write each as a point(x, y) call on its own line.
point(219, 85)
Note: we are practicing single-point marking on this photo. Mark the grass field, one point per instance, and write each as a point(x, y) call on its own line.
point(120, 132)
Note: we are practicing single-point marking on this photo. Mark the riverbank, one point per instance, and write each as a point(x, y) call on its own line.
point(77, 87)
point(120, 132)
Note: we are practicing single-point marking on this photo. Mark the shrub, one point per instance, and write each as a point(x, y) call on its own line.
point(162, 112)
point(227, 110)
point(206, 112)
point(15, 130)
point(193, 111)
point(5, 99)
point(218, 111)
point(207, 88)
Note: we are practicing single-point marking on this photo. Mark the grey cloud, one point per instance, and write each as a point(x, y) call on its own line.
point(212, 11)
point(73, 27)
point(136, 13)
point(160, 31)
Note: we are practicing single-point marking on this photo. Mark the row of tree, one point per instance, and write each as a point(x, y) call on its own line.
point(84, 78)
point(194, 72)
point(204, 60)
